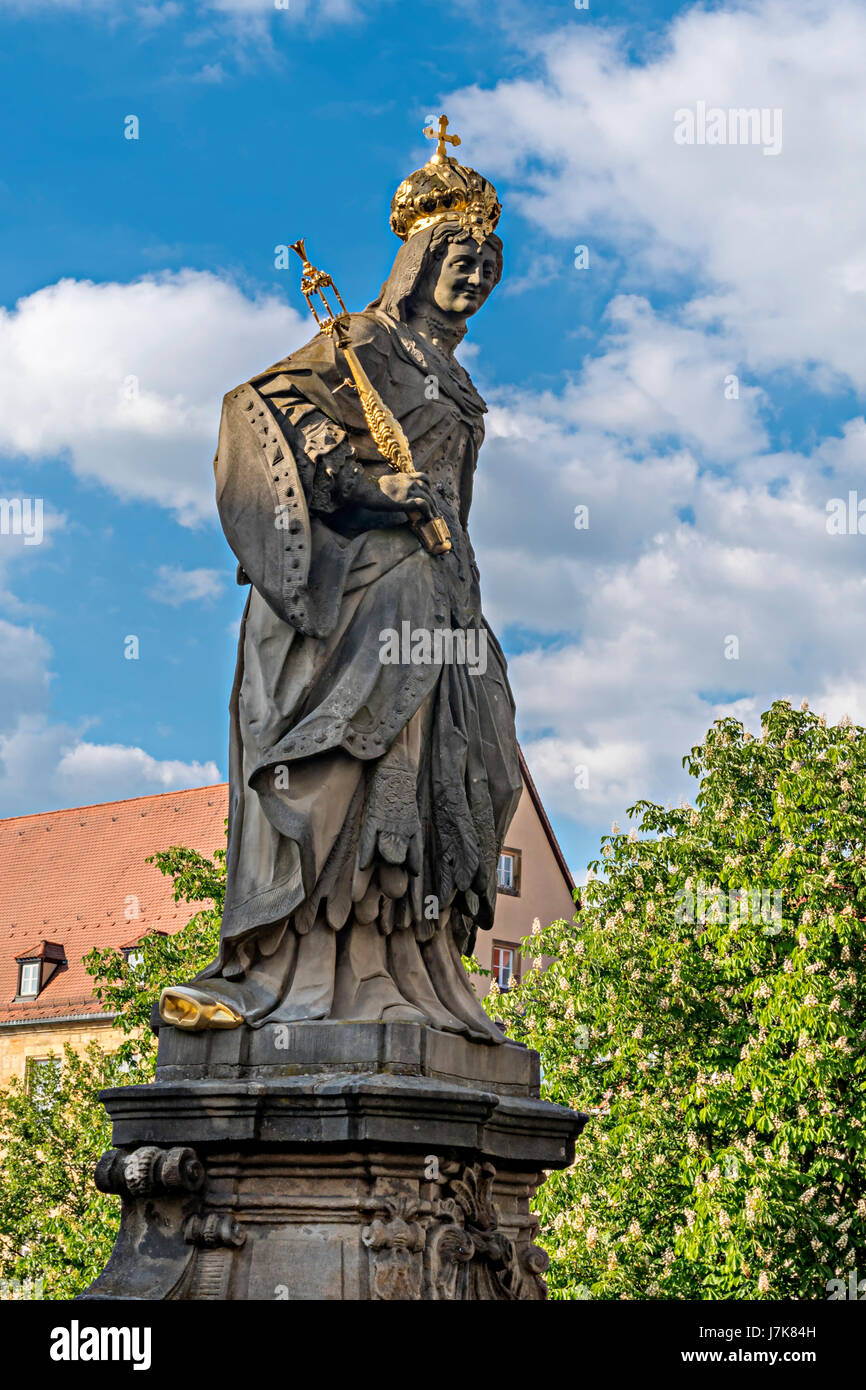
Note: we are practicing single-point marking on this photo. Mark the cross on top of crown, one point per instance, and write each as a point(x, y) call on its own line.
point(432, 133)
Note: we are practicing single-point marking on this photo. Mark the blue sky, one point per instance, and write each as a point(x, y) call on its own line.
point(138, 284)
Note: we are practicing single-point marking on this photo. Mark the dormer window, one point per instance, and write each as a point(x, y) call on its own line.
point(133, 951)
point(29, 978)
point(37, 965)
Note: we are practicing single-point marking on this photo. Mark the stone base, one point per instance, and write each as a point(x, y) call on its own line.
point(331, 1161)
point(357, 1049)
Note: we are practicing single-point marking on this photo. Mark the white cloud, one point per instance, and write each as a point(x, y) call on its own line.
point(176, 585)
point(151, 14)
point(605, 443)
point(142, 10)
point(699, 528)
point(211, 74)
point(98, 770)
point(51, 764)
point(24, 676)
point(125, 380)
point(658, 377)
point(39, 522)
point(776, 243)
point(689, 543)
point(641, 667)
point(330, 11)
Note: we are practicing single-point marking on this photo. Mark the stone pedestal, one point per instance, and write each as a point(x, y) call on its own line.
point(331, 1161)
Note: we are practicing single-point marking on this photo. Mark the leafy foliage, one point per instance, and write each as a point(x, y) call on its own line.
point(54, 1225)
point(130, 991)
point(706, 1008)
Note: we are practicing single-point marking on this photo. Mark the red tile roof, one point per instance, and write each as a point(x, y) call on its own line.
point(71, 877)
point(43, 950)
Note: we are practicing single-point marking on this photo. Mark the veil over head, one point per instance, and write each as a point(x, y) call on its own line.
point(415, 258)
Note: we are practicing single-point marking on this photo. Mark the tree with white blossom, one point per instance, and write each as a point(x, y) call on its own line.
point(706, 1008)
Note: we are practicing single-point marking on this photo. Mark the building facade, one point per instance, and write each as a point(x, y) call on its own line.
point(78, 879)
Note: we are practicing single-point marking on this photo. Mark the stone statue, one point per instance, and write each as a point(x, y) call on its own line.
point(352, 1135)
point(374, 768)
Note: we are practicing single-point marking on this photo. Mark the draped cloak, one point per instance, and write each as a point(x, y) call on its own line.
point(356, 785)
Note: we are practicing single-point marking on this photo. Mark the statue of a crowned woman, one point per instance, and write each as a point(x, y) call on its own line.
point(370, 793)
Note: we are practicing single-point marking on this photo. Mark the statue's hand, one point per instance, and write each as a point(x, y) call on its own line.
point(409, 492)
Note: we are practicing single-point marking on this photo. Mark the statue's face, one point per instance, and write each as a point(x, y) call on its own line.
point(466, 277)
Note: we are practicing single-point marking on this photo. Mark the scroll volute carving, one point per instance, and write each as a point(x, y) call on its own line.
point(150, 1171)
point(468, 1256)
point(451, 1248)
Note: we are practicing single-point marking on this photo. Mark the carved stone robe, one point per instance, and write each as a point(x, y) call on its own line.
point(365, 796)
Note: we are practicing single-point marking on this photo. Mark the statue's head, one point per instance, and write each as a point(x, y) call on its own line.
point(445, 214)
point(460, 277)
point(442, 267)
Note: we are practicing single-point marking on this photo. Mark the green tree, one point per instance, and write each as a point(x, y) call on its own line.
point(56, 1230)
point(706, 1008)
point(131, 990)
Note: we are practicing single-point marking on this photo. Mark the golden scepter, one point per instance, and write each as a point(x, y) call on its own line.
point(383, 425)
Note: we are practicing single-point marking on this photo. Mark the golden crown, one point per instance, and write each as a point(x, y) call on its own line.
point(444, 190)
